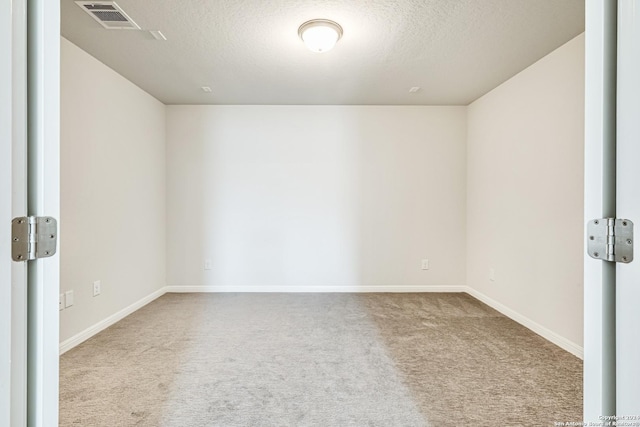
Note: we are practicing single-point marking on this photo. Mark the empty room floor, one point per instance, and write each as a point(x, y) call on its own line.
point(429, 359)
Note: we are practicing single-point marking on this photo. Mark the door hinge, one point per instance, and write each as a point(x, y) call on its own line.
point(610, 239)
point(33, 237)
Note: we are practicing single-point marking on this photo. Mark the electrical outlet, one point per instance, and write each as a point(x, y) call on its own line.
point(208, 265)
point(425, 264)
point(68, 299)
point(97, 288)
point(61, 302)
point(492, 274)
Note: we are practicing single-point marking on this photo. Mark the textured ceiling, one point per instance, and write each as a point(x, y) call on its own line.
point(248, 51)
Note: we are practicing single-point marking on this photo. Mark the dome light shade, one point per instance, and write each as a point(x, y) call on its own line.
point(320, 35)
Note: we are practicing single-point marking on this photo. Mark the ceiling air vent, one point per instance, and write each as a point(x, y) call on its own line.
point(108, 14)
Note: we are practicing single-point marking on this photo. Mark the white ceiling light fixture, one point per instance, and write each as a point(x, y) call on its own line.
point(320, 35)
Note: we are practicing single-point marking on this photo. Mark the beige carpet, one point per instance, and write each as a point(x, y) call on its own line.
point(318, 360)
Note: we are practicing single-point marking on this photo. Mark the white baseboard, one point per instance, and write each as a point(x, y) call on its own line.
point(548, 334)
point(299, 289)
point(558, 340)
point(68, 344)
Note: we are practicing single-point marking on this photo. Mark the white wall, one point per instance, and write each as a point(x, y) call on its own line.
point(316, 197)
point(113, 191)
point(525, 192)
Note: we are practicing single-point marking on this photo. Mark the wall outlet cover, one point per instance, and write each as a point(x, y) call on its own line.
point(68, 299)
point(97, 285)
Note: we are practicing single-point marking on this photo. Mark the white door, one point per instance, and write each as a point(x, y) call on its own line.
point(612, 189)
point(13, 203)
point(599, 276)
point(28, 291)
point(43, 51)
point(5, 213)
point(628, 206)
